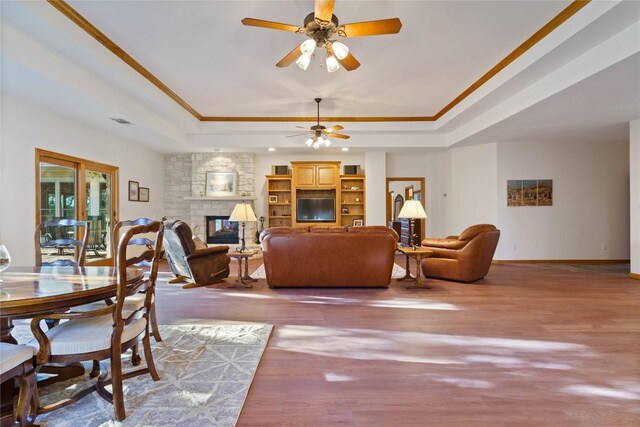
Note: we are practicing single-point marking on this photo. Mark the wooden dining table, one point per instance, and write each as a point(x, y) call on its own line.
point(29, 291)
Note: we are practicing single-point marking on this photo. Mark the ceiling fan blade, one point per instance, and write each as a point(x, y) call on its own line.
point(349, 63)
point(333, 128)
point(370, 28)
point(297, 134)
point(302, 127)
point(338, 135)
point(324, 10)
point(290, 58)
point(270, 24)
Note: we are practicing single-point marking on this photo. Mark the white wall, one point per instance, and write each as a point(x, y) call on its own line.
point(26, 127)
point(590, 201)
point(473, 195)
point(376, 203)
point(634, 179)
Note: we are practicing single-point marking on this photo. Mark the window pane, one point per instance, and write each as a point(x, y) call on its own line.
point(99, 209)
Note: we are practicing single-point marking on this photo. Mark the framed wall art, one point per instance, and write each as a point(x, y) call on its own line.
point(530, 192)
point(134, 191)
point(221, 184)
point(273, 199)
point(143, 194)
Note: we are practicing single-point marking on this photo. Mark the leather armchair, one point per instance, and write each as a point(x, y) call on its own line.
point(463, 258)
point(202, 266)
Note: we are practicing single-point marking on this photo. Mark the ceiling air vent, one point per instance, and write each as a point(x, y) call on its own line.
point(120, 121)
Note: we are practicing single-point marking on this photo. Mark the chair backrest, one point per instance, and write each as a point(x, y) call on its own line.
point(137, 241)
point(60, 241)
point(178, 244)
point(151, 254)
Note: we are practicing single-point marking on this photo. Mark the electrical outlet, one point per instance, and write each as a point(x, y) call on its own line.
point(605, 247)
point(515, 248)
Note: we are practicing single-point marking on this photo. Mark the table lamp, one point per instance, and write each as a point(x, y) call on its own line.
point(412, 209)
point(242, 213)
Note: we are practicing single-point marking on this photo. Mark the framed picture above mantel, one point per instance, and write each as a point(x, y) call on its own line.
point(221, 184)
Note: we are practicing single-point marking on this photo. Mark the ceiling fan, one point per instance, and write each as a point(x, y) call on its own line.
point(320, 26)
point(320, 133)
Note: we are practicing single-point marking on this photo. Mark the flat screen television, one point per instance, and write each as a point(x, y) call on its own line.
point(316, 210)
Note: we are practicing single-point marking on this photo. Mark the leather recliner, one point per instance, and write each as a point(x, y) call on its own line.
point(202, 266)
point(463, 258)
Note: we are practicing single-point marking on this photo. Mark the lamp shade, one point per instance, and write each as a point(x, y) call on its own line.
point(412, 209)
point(242, 213)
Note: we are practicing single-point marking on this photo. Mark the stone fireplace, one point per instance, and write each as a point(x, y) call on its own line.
point(185, 198)
point(219, 230)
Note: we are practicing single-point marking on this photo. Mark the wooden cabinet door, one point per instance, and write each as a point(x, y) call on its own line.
point(305, 176)
point(326, 176)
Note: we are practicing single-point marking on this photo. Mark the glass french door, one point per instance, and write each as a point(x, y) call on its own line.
point(74, 188)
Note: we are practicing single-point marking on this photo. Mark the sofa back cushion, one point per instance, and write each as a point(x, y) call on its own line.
point(474, 230)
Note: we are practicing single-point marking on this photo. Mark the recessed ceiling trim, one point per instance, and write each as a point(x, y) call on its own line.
point(322, 118)
point(90, 29)
point(94, 32)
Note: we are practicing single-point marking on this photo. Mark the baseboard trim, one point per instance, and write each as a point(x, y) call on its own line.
point(561, 261)
point(634, 276)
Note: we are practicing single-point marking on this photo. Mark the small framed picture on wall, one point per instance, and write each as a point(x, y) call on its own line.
point(143, 193)
point(358, 223)
point(134, 191)
point(273, 199)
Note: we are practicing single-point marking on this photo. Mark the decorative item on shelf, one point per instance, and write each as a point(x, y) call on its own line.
point(242, 213)
point(273, 212)
point(355, 188)
point(279, 170)
point(244, 194)
point(143, 194)
point(412, 209)
point(273, 199)
point(358, 199)
point(345, 210)
point(344, 187)
point(134, 191)
point(358, 223)
point(352, 170)
point(262, 219)
point(221, 183)
point(286, 200)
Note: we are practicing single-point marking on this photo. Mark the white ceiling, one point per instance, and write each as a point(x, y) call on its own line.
point(586, 72)
point(222, 68)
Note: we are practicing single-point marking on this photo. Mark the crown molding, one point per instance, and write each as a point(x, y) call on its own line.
point(94, 32)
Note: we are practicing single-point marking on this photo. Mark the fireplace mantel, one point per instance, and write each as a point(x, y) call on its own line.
point(224, 198)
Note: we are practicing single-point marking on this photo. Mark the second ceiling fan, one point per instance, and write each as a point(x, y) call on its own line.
point(321, 26)
point(319, 133)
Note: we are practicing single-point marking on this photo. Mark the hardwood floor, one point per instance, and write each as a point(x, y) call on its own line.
point(528, 346)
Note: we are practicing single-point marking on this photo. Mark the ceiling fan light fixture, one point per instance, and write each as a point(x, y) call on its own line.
point(303, 61)
point(340, 50)
point(327, 142)
point(309, 142)
point(332, 64)
point(307, 47)
point(316, 145)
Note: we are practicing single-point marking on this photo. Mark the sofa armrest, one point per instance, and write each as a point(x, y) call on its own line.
point(208, 252)
point(452, 237)
point(431, 242)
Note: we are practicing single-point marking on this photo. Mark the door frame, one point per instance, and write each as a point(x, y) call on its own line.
point(421, 180)
point(81, 165)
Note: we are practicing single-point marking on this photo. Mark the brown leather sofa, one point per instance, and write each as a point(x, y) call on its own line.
point(463, 258)
point(329, 256)
point(202, 266)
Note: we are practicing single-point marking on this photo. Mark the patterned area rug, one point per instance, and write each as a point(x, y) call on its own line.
point(397, 272)
point(205, 374)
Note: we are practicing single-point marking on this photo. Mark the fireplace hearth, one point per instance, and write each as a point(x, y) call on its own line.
point(220, 230)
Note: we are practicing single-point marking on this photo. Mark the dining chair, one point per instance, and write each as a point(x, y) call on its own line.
point(107, 332)
point(58, 234)
point(17, 363)
point(136, 301)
